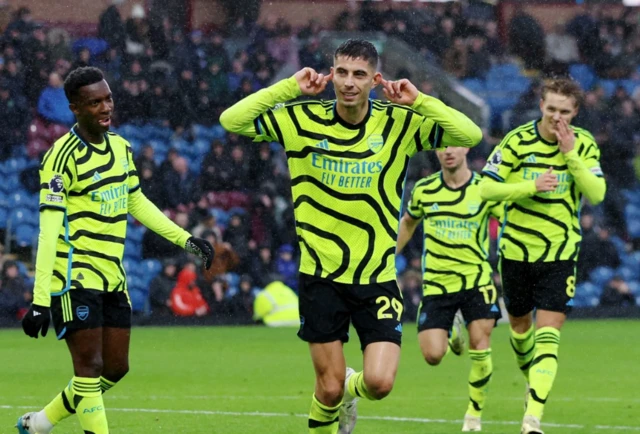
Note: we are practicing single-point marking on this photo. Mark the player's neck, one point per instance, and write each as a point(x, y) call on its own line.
point(353, 115)
point(547, 135)
point(87, 136)
point(456, 178)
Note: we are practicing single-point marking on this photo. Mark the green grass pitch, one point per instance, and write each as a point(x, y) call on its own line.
point(257, 380)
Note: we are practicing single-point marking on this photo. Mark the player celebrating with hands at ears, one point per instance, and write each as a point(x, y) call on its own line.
point(348, 158)
point(89, 185)
point(543, 169)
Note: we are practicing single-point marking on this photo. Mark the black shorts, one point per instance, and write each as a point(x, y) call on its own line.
point(538, 285)
point(80, 309)
point(327, 307)
point(438, 311)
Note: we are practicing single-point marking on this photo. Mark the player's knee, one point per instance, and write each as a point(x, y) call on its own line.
point(116, 374)
point(330, 391)
point(432, 359)
point(380, 387)
point(479, 343)
point(90, 367)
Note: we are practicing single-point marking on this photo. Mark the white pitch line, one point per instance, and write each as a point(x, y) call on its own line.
point(380, 418)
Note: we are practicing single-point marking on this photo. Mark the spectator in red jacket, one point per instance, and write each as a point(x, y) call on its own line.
point(186, 298)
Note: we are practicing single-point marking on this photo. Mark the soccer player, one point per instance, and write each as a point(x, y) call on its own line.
point(457, 274)
point(89, 185)
point(348, 159)
point(543, 168)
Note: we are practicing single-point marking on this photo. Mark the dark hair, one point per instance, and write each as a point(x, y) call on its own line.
point(565, 87)
point(358, 49)
point(81, 77)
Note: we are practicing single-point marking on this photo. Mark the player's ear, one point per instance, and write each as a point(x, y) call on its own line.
point(377, 79)
point(74, 108)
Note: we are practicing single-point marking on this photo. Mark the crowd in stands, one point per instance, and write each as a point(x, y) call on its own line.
point(170, 87)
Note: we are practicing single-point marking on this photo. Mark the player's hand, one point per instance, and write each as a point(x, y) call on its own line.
point(565, 136)
point(36, 321)
point(547, 181)
point(400, 91)
point(202, 249)
point(312, 82)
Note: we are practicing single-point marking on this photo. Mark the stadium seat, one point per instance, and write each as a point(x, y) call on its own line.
point(21, 216)
point(26, 235)
point(15, 165)
point(96, 46)
point(135, 233)
point(601, 275)
point(629, 85)
point(22, 269)
point(609, 87)
point(634, 287)
point(133, 250)
point(4, 214)
point(475, 85)
point(150, 267)
point(138, 300)
point(583, 74)
point(629, 273)
point(504, 72)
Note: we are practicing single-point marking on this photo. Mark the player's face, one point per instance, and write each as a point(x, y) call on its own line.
point(94, 107)
point(555, 107)
point(452, 158)
point(353, 79)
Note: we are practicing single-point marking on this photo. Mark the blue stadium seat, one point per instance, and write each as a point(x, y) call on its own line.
point(631, 260)
point(133, 250)
point(619, 243)
point(135, 233)
point(601, 275)
point(150, 267)
point(634, 287)
point(22, 268)
point(503, 72)
point(21, 216)
point(629, 85)
point(26, 235)
point(15, 165)
point(96, 46)
point(609, 86)
point(475, 85)
point(218, 132)
point(233, 279)
point(629, 273)
point(4, 216)
point(583, 74)
point(130, 266)
point(202, 132)
point(222, 217)
point(21, 199)
point(138, 300)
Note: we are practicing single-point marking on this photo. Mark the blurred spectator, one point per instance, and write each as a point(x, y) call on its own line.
point(53, 104)
point(528, 106)
point(277, 306)
point(179, 184)
point(133, 101)
point(13, 120)
point(186, 297)
point(218, 53)
point(310, 55)
point(237, 74)
point(596, 249)
point(161, 287)
point(237, 235)
point(617, 294)
point(527, 40)
point(59, 43)
point(239, 170)
point(214, 293)
point(137, 31)
point(156, 247)
point(160, 110)
point(494, 44)
point(149, 183)
point(478, 61)
point(218, 84)
point(208, 223)
point(225, 259)
point(455, 58)
point(241, 303)
point(82, 59)
point(561, 48)
point(14, 293)
point(111, 28)
point(215, 168)
point(287, 267)
point(262, 268)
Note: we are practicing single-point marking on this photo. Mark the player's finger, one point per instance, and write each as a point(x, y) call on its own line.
point(319, 79)
point(385, 92)
point(45, 328)
point(396, 88)
point(550, 169)
point(328, 77)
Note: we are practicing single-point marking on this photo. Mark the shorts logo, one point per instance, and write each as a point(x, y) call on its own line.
point(301, 322)
point(423, 318)
point(82, 312)
point(375, 143)
point(56, 184)
point(399, 328)
point(494, 308)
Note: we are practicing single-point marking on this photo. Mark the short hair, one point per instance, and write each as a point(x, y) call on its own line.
point(80, 77)
point(563, 86)
point(358, 49)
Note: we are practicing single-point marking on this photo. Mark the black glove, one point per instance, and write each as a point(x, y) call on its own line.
point(202, 249)
point(36, 320)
